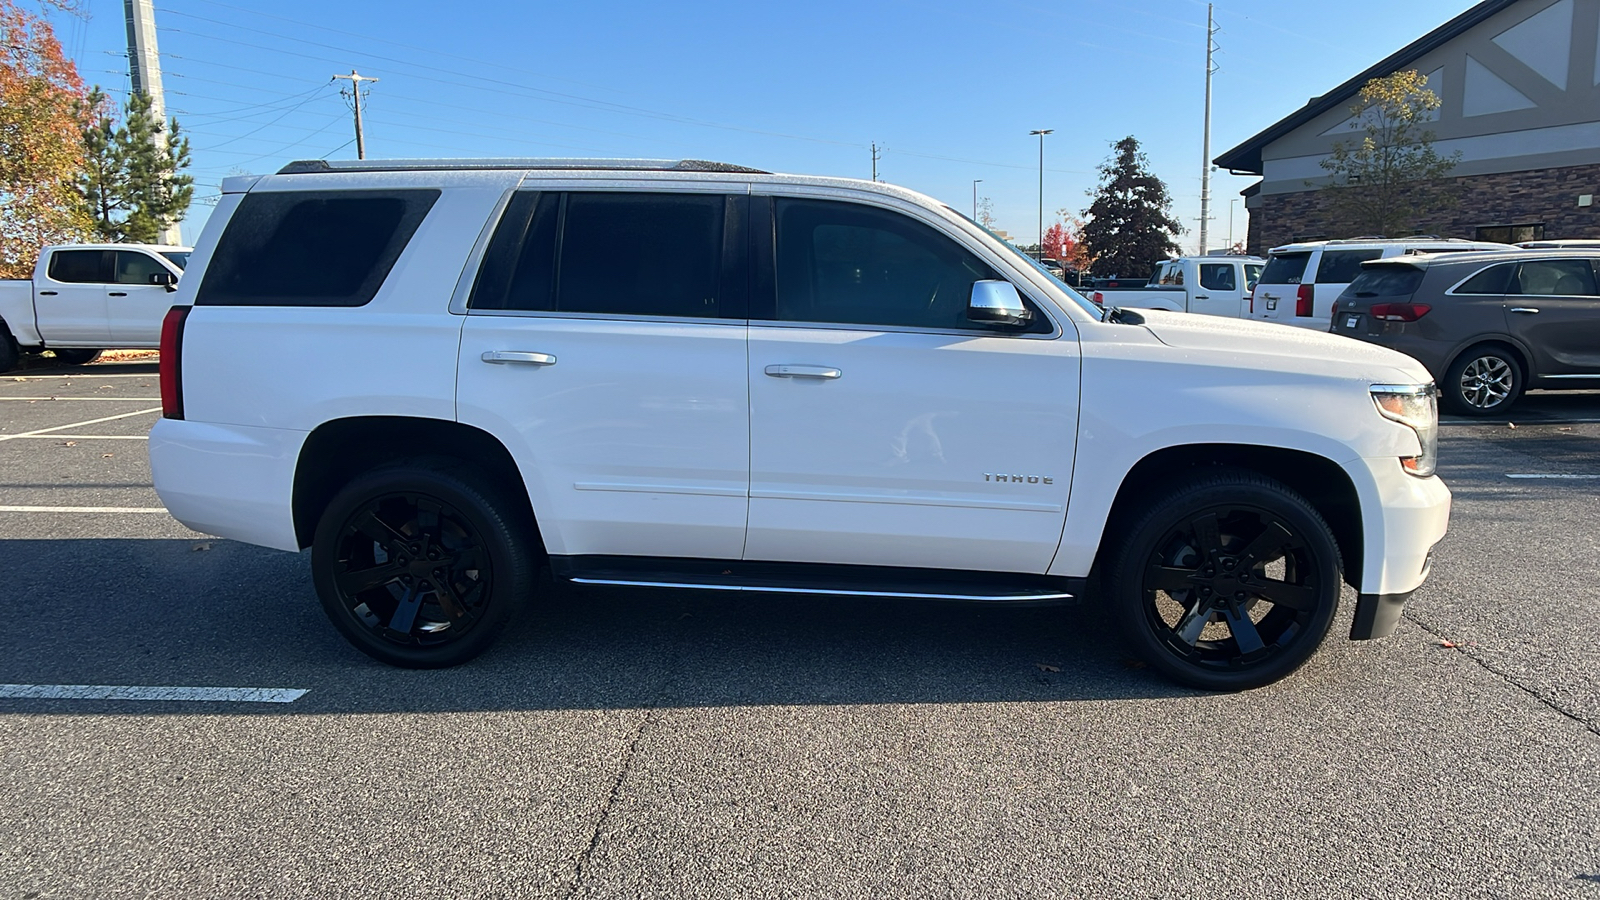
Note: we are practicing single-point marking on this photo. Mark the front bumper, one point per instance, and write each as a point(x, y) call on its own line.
point(1402, 519)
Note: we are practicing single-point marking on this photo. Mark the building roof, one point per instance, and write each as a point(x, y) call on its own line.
point(1246, 158)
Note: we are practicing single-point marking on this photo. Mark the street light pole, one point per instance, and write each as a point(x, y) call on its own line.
point(975, 183)
point(1041, 132)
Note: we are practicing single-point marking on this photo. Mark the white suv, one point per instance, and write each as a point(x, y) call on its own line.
point(442, 376)
point(1302, 281)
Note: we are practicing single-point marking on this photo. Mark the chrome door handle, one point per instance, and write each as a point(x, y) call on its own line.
point(803, 372)
point(1526, 310)
point(518, 357)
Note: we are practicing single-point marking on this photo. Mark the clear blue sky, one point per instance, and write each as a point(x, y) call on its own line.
point(948, 90)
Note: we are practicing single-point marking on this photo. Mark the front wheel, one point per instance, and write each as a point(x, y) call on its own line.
point(1226, 582)
point(1483, 381)
point(76, 357)
point(423, 566)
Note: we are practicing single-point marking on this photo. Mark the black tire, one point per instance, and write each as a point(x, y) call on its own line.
point(10, 355)
point(76, 357)
point(1484, 381)
point(423, 565)
point(1196, 589)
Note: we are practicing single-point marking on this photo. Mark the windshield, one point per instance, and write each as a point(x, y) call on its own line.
point(1066, 289)
point(177, 258)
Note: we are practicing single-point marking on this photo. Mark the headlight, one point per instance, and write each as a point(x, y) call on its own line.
point(1417, 407)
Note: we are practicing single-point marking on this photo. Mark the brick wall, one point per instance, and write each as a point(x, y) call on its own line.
point(1540, 195)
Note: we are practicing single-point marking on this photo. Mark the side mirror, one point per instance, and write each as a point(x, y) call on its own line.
point(997, 302)
point(165, 279)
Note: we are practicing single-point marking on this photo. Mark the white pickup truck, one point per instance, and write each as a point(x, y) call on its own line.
point(1208, 285)
point(85, 298)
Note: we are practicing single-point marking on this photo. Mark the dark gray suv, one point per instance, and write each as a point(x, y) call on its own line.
point(1487, 325)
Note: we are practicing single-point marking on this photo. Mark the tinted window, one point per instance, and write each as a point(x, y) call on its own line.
point(1252, 275)
point(1342, 266)
point(78, 266)
point(312, 248)
point(1385, 281)
point(136, 268)
point(1492, 281)
point(1555, 277)
point(1218, 277)
point(179, 258)
point(611, 253)
point(840, 262)
point(1286, 268)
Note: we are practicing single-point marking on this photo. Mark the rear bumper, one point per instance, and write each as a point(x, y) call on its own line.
point(233, 481)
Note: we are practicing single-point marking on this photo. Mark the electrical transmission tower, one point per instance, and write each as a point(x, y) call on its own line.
point(1205, 167)
point(144, 70)
point(356, 96)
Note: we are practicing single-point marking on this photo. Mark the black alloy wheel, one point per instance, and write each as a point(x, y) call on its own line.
point(1483, 381)
point(1228, 582)
point(76, 357)
point(417, 566)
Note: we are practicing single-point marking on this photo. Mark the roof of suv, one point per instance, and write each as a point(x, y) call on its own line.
point(1308, 246)
point(1424, 260)
point(308, 166)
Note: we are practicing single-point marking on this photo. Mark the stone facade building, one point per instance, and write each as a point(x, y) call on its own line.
point(1520, 85)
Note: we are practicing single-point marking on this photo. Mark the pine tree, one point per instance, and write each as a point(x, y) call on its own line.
point(1130, 226)
point(132, 182)
point(103, 181)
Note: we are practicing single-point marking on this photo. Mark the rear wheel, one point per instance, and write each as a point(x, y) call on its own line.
point(1484, 381)
point(76, 357)
point(1227, 581)
point(423, 565)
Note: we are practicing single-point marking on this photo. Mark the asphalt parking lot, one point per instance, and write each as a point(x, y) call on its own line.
point(643, 744)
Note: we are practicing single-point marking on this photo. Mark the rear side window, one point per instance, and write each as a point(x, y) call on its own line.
point(1491, 281)
point(1252, 275)
point(630, 254)
point(1218, 277)
point(1342, 266)
point(79, 266)
point(1385, 281)
point(312, 248)
point(1285, 268)
point(1555, 278)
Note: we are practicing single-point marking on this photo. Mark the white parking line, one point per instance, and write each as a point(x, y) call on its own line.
point(82, 509)
point(132, 692)
point(142, 412)
point(77, 437)
point(1555, 477)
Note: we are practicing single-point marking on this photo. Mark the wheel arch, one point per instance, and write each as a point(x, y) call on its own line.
point(339, 450)
point(1523, 356)
point(1321, 481)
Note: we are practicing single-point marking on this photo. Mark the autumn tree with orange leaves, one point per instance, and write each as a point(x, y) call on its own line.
point(41, 144)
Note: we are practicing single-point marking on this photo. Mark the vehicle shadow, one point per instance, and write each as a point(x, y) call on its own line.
point(47, 365)
point(218, 613)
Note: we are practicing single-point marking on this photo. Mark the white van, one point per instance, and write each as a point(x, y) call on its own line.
point(1302, 281)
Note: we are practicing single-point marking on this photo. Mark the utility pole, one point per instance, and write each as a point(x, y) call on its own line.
point(975, 183)
point(1231, 202)
point(144, 70)
point(355, 96)
point(875, 158)
point(1041, 132)
point(1205, 163)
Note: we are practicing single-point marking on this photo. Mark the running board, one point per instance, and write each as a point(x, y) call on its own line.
point(873, 582)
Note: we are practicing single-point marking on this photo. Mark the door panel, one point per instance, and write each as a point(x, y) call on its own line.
point(931, 450)
point(70, 302)
point(135, 307)
point(1552, 307)
point(634, 441)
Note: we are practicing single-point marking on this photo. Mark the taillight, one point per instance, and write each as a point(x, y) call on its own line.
point(1334, 310)
point(172, 362)
point(1099, 299)
point(1399, 312)
point(1303, 299)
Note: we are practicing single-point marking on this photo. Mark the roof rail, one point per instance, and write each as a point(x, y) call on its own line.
point(311, 166)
